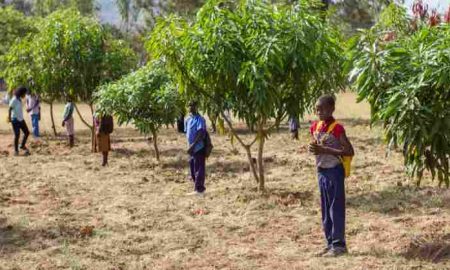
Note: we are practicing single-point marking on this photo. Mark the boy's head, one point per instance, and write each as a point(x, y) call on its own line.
point(193, 107)
point(325, 107)
point(20, 92)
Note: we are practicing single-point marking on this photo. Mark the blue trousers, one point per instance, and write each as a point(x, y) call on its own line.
point(35, 124)
point(332, 197)
point(197, 166)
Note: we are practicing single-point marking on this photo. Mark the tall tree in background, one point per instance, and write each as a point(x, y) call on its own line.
point(14, 26)
point(125, 9)
point(45, 7)
point(70, 55)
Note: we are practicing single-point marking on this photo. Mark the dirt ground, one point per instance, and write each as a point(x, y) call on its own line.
point(59, 209)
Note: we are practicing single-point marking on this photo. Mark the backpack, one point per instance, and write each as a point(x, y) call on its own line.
point(106, 124)
point(346, 160)
point(208, 145)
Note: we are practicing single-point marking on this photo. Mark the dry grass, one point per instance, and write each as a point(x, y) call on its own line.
point(60, 210)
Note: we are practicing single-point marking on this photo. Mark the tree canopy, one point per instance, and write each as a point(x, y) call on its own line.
point(147, 98)
point(401, 67)
point(259, 59)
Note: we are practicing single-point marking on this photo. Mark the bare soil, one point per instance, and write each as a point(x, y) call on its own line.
point(59, 209)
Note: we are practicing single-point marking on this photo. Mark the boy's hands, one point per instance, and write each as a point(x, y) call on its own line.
point(317, 149)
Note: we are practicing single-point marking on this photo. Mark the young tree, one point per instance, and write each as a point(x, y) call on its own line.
point(83, 53)
point(71, 55)
point(263, 60)
point(401, 67)
point(147, 98)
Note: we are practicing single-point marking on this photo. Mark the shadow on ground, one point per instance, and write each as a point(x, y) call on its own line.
point(395, 200)
point(14, 238)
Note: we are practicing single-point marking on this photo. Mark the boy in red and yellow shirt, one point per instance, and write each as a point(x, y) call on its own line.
point(329, 145)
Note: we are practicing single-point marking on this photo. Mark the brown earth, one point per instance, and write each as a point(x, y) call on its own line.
point(59, 209)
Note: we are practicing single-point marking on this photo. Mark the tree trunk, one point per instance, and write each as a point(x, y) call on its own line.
point(53, 119)
point(251, 163)
point(261, 140)
point(82, 119)
point(155, 144)
point(91, 127)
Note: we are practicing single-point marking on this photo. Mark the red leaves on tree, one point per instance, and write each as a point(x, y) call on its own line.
point(419, 9)
point(435, 19)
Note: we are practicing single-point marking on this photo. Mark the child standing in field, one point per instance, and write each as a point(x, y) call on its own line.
point(195, 129)
point(103, 126)
point(293, 126)
point(15, 116)
point(329, 145)
point(34, 109)
point(68, 121)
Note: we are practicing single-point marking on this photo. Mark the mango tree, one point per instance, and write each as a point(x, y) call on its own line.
point(14, 26)
point(86, 52)
point(401, 67)
point(147, 98)
point(25, 66)
point(70, 55)
point(263, 60)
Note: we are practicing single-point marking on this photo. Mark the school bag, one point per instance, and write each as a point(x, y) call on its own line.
point(346, 160)
point(208, 145)
point(106, 124)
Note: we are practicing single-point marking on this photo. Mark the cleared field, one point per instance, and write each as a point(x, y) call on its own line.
point(59, 209)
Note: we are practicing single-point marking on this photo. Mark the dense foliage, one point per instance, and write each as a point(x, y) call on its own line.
point(262, 60)
point(14, 26)
point(70, 55)
point(403, 70)
point(147, 98)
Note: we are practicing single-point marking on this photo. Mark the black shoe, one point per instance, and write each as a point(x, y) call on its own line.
point(336, 252)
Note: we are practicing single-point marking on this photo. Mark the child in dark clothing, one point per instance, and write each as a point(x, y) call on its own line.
point(329, 145)
point(15, 117)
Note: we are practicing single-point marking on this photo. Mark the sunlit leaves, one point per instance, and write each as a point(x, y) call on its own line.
point(257, 57)
point(407, 82)
point(147, 98)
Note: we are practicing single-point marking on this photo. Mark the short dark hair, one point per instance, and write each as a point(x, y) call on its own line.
point(328, 99)
point(193, 103)
point(20, 91)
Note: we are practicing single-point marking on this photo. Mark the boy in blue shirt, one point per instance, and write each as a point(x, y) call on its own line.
point(330, 144)
point(195, 129)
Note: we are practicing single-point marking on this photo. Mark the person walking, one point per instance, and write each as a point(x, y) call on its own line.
point(15, 117)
